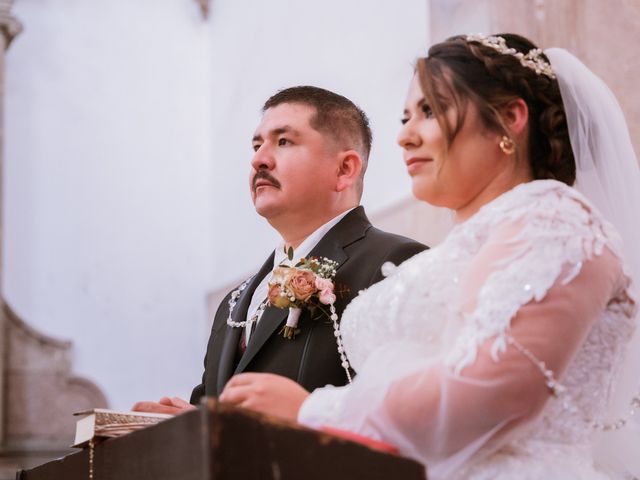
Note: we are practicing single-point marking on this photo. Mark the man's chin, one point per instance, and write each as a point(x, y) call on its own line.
point(266, 209)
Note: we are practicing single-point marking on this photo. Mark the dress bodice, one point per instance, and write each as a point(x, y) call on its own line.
point(420, 302)
point(492, 354)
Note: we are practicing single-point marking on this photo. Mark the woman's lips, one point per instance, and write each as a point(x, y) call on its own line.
point(415, 163)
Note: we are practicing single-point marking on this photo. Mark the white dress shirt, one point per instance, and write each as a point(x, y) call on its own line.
point(280, 258)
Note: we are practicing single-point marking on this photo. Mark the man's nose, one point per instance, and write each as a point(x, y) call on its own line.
point(263, 159)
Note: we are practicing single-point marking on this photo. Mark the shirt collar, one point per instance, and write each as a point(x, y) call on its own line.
point(309, 243)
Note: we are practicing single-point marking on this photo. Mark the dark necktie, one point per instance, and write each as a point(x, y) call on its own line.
point(242, 345)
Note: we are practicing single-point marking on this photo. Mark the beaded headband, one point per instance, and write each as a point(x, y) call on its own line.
point(533, 59)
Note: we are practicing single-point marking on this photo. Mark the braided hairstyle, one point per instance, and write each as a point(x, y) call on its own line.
point(459, 71)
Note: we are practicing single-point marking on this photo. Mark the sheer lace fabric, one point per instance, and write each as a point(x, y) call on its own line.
point(438, 375)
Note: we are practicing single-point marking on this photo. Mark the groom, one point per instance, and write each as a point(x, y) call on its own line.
point(311, 150)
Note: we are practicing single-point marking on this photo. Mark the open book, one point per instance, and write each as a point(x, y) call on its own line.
point(101, 422)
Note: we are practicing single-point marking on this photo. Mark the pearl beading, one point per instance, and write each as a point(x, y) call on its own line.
point(233, 300)
point(621, 422)
point(558, 390)
point(232, 304)
point(341, 351)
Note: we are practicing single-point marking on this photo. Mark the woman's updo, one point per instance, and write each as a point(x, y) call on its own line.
point(462, 71)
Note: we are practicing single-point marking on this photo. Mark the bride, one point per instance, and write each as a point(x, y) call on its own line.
point(496, 354)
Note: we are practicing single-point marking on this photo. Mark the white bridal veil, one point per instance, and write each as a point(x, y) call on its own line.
point(609, 176)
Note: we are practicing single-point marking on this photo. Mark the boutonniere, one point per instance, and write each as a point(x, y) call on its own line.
point(308, 284)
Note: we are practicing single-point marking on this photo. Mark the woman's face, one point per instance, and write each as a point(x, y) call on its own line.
point(473, 172)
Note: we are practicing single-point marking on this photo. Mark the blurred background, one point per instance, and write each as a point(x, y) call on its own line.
point(126, 142)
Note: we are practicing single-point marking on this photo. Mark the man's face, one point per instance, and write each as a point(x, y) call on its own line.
point(294, 168)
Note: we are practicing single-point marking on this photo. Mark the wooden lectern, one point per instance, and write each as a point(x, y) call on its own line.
point(220, 442)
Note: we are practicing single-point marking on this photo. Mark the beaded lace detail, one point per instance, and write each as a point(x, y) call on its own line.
point(419, 300)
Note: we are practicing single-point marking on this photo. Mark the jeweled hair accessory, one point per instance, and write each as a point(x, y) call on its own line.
point(533, 59)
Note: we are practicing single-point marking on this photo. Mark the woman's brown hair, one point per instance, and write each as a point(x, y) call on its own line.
point(458, 71)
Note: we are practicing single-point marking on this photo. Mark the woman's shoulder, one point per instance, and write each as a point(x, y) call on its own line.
point(547, 210)
point(542, 197)
point(545, 201)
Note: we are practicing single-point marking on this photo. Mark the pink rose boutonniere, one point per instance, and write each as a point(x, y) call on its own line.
point(308, 284)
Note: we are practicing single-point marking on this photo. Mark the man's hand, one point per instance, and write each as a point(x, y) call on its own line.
point(266, 393)
point(172, 406)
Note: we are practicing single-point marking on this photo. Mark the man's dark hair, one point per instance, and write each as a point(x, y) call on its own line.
point(336, 116)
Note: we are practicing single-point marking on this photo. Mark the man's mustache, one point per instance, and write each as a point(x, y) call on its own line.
point(264, 175)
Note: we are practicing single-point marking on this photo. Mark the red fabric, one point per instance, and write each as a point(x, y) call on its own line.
point(354, 437)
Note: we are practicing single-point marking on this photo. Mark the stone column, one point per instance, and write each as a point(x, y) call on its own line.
point(38, 391)
point(9, 28)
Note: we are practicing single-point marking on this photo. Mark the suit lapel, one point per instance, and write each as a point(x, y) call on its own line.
point(232, 334)
point(271, 319)
point(350, 229)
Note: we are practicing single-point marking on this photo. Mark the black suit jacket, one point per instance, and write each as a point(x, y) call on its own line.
point(311, 359)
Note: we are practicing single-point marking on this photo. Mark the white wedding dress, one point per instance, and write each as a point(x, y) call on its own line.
point(492, 355)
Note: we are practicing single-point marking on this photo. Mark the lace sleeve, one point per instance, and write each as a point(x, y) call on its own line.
point(541, 287)
point(518, 264)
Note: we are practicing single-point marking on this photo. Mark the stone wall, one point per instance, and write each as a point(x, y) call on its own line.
point(38, 392)
point(603, 34)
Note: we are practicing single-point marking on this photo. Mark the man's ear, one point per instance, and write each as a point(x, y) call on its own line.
point(349, 168)
point(516, 116)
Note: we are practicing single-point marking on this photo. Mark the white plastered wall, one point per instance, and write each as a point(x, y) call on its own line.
point(128, 141)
